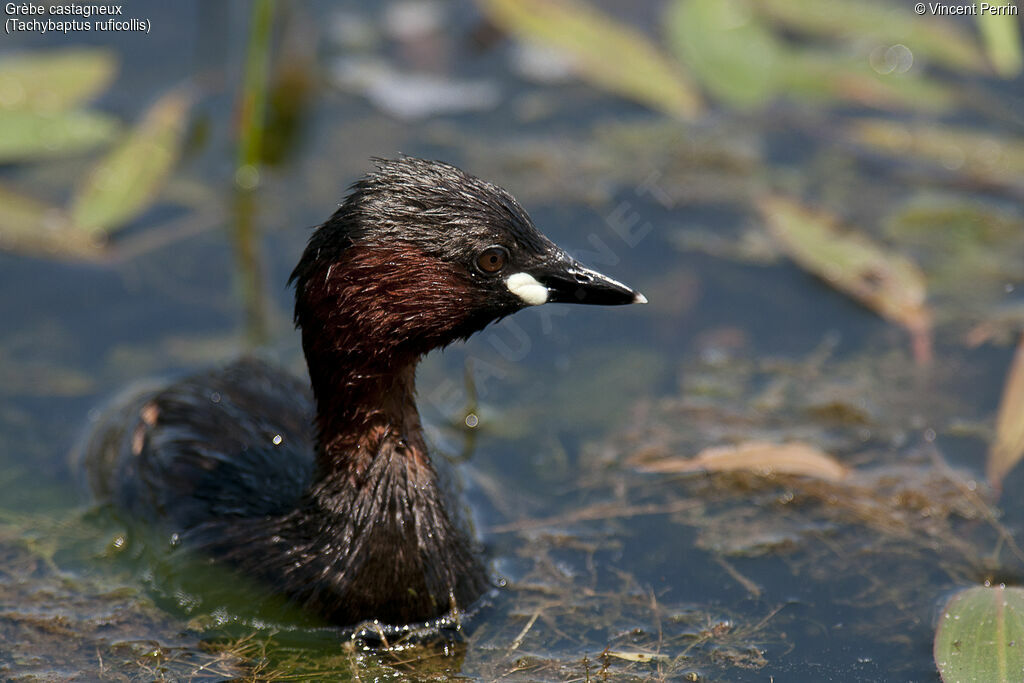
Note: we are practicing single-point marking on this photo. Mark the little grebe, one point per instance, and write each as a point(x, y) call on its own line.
point(331, 499)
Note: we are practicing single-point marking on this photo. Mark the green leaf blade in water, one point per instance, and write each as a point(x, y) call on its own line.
point(980, 636)
point(887, 283)
point(741, 61)
point(728, 49)
point(130, 177)
point(611, 56)
point(27, 135)
point(1001, 36)
point(984, 156)
point(884, 24)
point(813, 74)
point(55, 81)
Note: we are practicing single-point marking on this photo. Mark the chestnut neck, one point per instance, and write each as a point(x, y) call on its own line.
point(368, 313)
point(363, 404)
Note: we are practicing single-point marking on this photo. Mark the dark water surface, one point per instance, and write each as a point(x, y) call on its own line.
point(721, 576)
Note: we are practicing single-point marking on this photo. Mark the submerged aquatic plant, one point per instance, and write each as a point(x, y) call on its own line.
point(44, 120)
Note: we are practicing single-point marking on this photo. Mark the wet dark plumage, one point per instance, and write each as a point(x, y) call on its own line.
point(329, 497)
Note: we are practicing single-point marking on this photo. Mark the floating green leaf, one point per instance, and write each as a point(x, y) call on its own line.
point(818, 75)
point(969, 250)
point(996, 159)
point(54, 81)
point(610, 56)
point(1001, 35)
point(129, 179)
point(31, 135)
point(1008, 447)
point(888, 283)
point(884, 25)
point(741, 61)
point(980, 634)
point(728, 49)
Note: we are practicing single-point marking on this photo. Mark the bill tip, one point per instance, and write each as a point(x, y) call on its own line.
point(639, 298)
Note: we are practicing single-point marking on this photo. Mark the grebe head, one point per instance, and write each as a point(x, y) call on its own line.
point(421, 254)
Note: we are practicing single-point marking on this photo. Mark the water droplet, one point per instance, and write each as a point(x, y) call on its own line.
point(277, 439)
point(247, 177)
point(893, 59)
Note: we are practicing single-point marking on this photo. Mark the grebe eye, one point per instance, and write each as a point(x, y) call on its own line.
point(492, 259)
